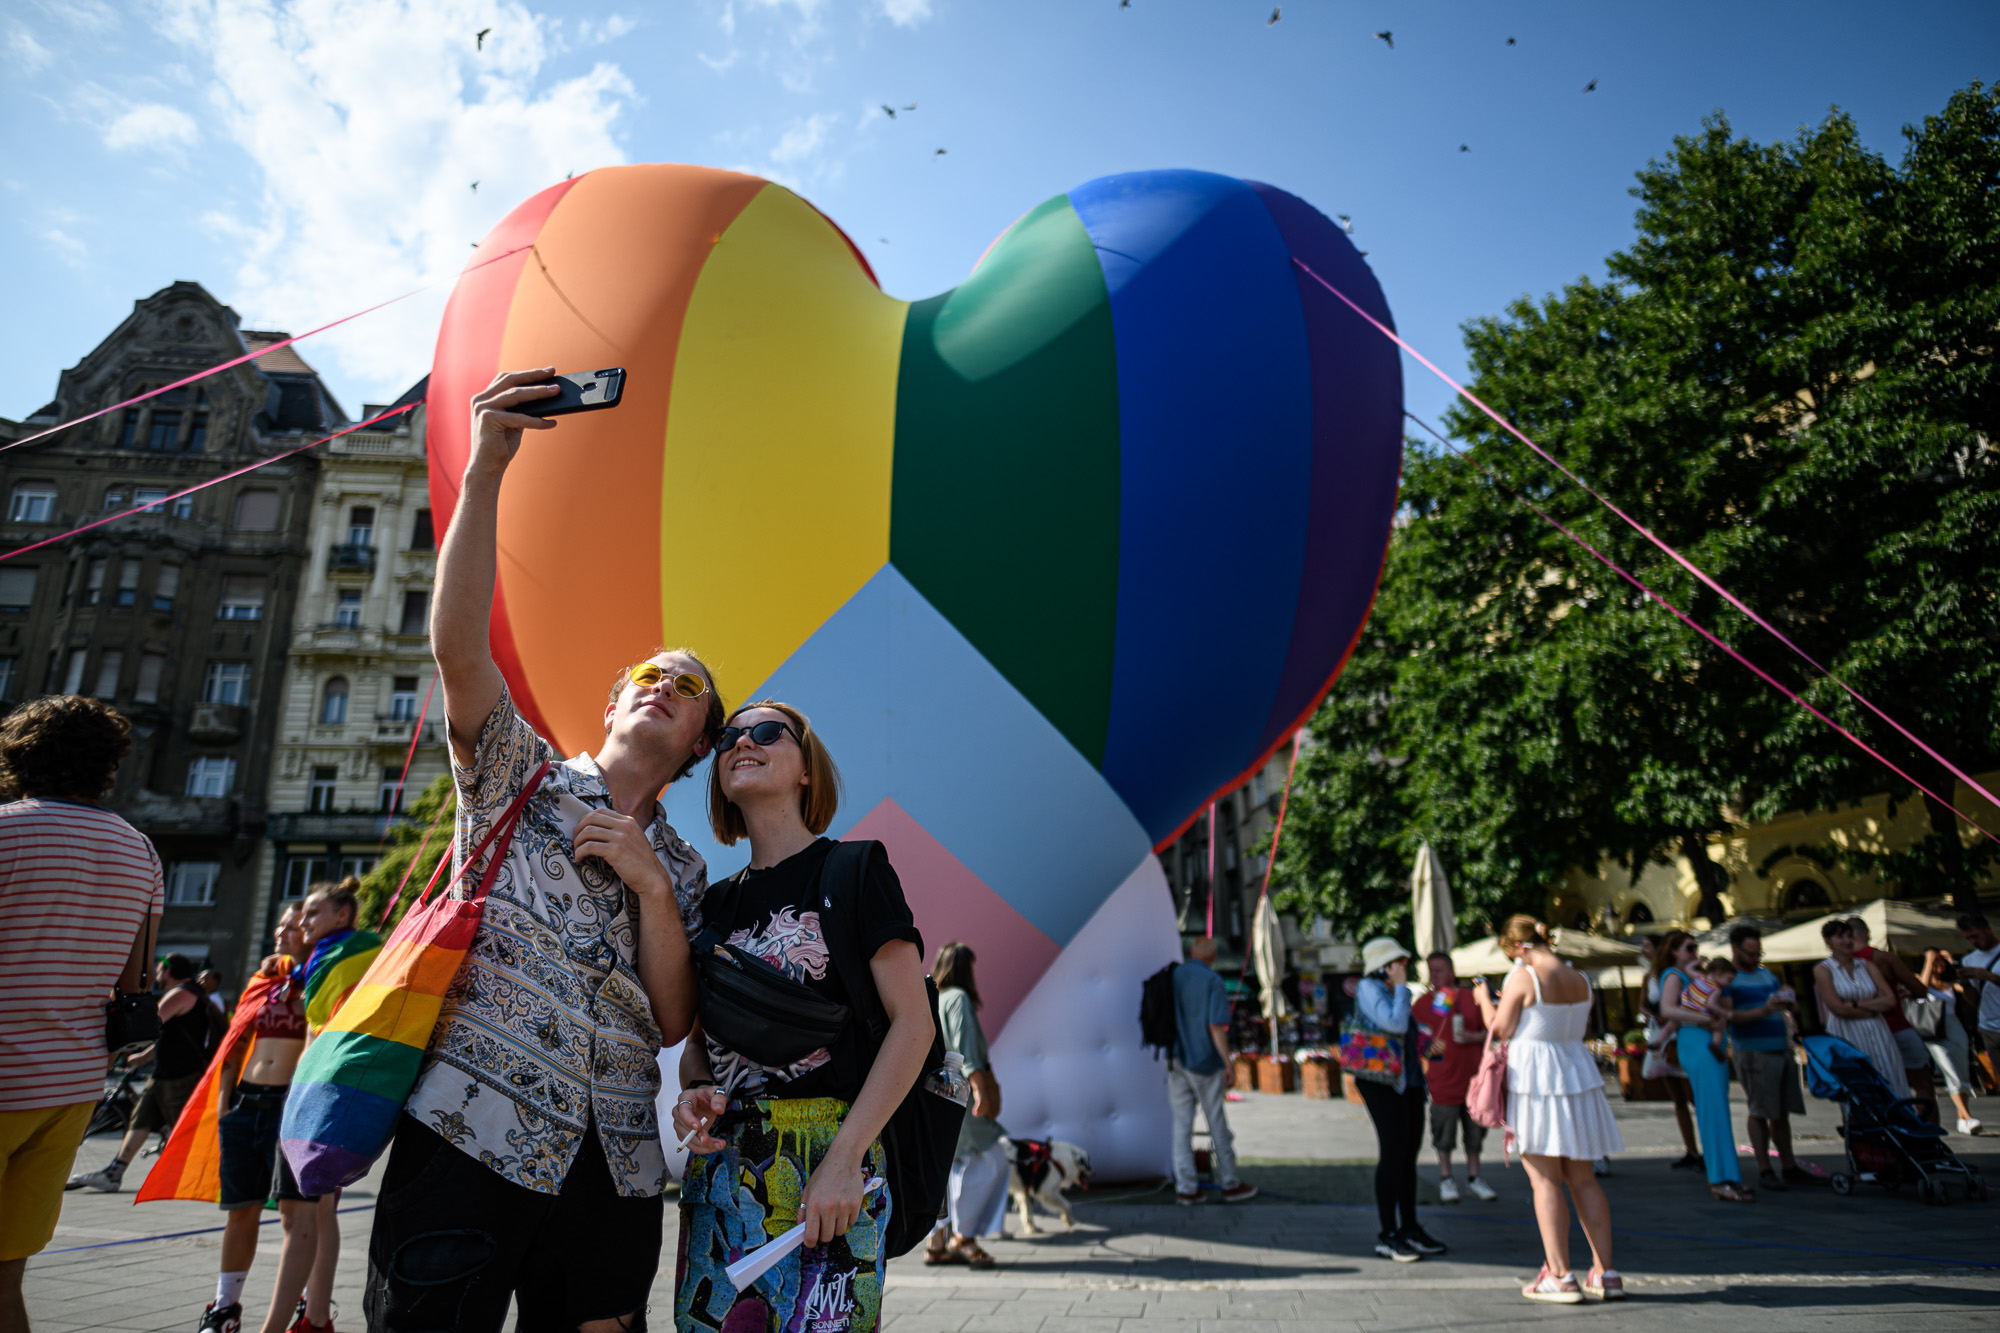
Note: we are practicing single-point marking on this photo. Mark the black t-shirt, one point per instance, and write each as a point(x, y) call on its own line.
point(775, 914)
point(183, 1045)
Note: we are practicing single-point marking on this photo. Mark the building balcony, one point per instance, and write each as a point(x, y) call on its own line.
point(194, 816)
point(396, 730)
point(216, 724)
point(348, 556)
point(325, 826)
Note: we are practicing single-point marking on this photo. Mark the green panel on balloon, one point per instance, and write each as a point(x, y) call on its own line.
point(1004, 511)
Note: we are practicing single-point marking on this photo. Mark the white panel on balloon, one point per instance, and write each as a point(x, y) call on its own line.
point(1069, 1061)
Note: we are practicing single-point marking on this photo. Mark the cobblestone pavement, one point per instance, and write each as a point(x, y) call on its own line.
point(1296, 1258)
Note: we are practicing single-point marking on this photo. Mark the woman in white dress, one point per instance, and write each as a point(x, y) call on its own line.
point(1556, 1108)
point(1852, 999)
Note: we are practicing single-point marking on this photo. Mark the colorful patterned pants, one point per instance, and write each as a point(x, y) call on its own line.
point(734, 1200)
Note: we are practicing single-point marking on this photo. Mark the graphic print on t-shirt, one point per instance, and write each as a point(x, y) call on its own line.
point(790, 941)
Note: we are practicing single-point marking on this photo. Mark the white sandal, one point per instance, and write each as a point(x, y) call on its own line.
point(1556, 1290)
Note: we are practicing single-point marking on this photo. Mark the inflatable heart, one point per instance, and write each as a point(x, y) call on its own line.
point(1050, 558)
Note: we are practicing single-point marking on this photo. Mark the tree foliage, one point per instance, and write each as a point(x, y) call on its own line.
point(425, 838)
point(1789, 375)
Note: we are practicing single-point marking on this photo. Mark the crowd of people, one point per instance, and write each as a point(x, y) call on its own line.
point(528, 1168)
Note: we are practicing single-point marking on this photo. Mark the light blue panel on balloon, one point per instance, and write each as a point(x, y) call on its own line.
point(911, 710)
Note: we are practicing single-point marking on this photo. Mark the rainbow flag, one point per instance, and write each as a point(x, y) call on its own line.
point(332, 975)
point(190, 1166)
point(357, 1073)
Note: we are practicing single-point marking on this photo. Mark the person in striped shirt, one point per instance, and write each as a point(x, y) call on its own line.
point(80, 901)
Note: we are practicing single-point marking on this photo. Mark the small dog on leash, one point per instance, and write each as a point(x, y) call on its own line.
point(1043, 1169)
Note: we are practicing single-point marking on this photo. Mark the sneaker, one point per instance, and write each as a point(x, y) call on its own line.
point(1188, 1200)
point(1481, 1190)
point(1606, 1286)
point(305, 1325)
point(1600, 1166)
point(1422, 1241)
point(229, 1319)
point(1447, 1190)
point(105, 1181)
point(1238, 1192)
point(1968, 1126)
point(1396, 1248)
point(1556, 1290)
point(1687, 1162)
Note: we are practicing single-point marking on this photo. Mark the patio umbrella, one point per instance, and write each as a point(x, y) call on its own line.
point(1430, 899)
point(1895, 926)
point(1482, 958)
point(1267, 953)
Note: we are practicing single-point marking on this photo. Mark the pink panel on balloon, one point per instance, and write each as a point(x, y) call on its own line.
point(952, 903)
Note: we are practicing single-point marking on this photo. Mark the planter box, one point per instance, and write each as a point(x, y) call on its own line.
point(1350, 1087)
point(1316, 1080)
point(1276, 1075)
point(1243, 1073)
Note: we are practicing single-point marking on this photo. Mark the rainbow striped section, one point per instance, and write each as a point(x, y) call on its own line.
point(336, 977)
point(357, 1073)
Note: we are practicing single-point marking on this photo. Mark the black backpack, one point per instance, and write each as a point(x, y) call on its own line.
point(921, 1136)
point(1157, 1027)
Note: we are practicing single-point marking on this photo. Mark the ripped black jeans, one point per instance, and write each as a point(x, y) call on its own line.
point(454, 1241)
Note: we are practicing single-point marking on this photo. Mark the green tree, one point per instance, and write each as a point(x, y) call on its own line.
point(1789, 376)
point(425, 838)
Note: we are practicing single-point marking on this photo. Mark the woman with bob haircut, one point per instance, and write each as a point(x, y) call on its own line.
point(1853, 996)
point(777, 1145)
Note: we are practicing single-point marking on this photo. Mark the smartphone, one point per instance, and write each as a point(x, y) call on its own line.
point(582, 391)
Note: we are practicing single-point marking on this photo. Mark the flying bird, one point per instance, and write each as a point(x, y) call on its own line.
point(475, 187)
point(1465, 148)
point(1124, 4)
point(479, 39)
point(911, 107)
point(1590, 87)
point(1388, 37)
point(939, 153)
point(1346, 223)
point(1510, 41)
point(888, 111)
point(1276, 14)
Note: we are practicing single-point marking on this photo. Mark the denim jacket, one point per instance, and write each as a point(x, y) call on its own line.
point(1386, 1008)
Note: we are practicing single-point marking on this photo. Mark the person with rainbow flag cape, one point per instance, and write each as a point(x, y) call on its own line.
point(340, 954)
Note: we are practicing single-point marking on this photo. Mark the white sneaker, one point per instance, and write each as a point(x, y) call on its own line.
point(1481, 1190)
point(1448, 1190)
point(101, 1180)
point(1968, 1126)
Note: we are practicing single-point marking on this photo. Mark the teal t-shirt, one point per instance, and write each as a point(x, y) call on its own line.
point(962, 1033)
point(1752, 990)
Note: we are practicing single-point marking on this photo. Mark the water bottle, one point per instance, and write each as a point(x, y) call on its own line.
point(950, 1082)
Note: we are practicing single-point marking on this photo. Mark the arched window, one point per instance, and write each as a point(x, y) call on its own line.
point(1805, 893)
point(333, 701)
point(1640, 915)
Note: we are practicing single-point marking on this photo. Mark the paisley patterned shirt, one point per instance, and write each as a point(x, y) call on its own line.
point(546, 1025)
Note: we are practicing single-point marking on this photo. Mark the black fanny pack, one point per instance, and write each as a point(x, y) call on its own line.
point(752, 1008)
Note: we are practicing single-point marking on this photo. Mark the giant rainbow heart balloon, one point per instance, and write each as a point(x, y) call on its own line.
point(1049, 559)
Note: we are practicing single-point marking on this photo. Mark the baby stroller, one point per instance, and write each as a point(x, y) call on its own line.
point(1887, 1141)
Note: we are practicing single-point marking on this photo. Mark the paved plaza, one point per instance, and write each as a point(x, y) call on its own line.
point(1296, 1258)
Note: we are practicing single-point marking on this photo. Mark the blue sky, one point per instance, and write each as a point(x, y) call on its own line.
point(305, 159)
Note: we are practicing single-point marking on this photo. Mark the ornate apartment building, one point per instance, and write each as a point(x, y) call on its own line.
point(358, 667)
point(179, 614)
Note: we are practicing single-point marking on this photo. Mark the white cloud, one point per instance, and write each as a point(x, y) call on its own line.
point(90, 15)
point(590, 33)
point(803, 139)
point(368, 121)
point(69, 247)
point(907, 13)
point(150, 125)
point(28, 54)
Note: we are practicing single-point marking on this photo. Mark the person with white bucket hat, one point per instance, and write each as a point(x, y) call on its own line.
point(1392, 1088)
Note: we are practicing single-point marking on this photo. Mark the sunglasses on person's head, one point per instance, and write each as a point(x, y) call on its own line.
point(764, 733)
point(686, 684)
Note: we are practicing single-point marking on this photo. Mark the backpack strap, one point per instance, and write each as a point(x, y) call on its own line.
point(839, 891)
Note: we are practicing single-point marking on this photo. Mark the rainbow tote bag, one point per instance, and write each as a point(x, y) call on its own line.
point(353, 1079)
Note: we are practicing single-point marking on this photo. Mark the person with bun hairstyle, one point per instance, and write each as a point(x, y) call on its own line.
point(773, 1145)
point(1556, 1108)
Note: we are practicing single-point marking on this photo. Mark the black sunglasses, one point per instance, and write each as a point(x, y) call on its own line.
point(764, 733)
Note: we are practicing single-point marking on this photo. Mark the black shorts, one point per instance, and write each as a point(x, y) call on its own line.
point(454, 1240)
point(253, 1171)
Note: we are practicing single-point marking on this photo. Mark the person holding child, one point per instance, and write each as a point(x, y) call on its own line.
point(1695, 1035)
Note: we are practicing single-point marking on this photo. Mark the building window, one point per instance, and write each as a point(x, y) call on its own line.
point(388, 794)
point(301, 873)
point(151, 667)
point(242, 597)
point(333, 702)
point(17, 588)
point(211, 776)
point(357, 866)
point(226, 683)
point(32, 504)
point(1807, 893)
point(347, 611)
point(165, 584)
point(165, 434)
point(198, 433)
point(421, 536)
point(192, 883)
point(114, 498)
point(128, 583)
point(416, 611)
point(149, 498)
point(361, 526)
point(256, 511)
point(403, 699)
point(129, 431)
point(73, 678)
point(109, 664)
point(93, 585)
point(319, 795)
point(9, 667)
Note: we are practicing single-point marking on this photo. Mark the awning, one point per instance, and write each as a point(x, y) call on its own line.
point(1897, 926)
point(1482, 958)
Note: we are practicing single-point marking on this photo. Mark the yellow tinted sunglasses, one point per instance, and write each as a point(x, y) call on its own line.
point(684, 683)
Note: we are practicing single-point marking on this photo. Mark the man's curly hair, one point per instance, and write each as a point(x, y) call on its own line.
point(66, 747)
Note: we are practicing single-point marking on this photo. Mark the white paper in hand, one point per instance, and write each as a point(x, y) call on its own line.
point(759, 1261)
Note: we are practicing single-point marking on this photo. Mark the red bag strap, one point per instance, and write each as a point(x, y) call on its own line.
point(503, 829)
